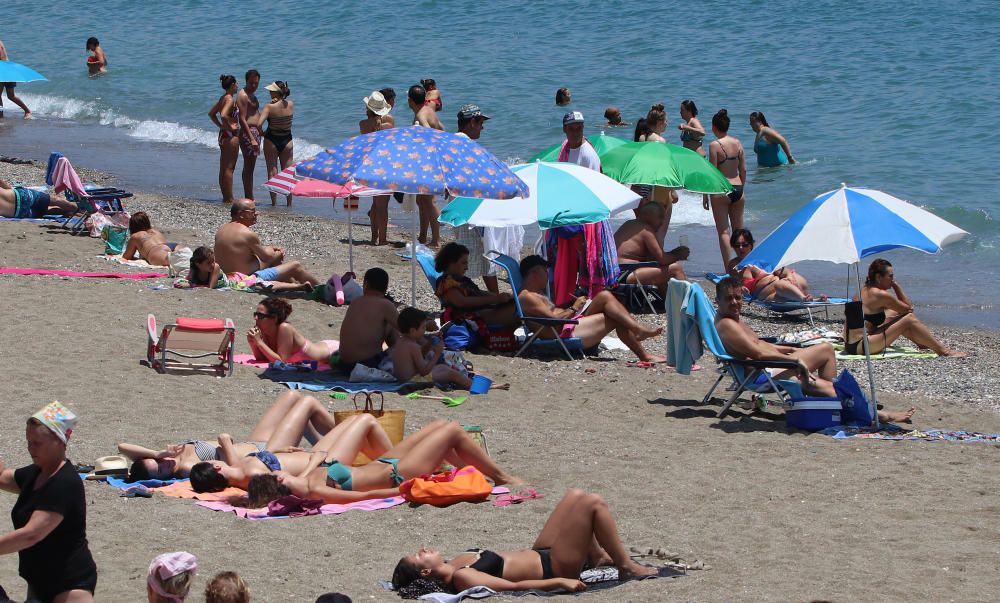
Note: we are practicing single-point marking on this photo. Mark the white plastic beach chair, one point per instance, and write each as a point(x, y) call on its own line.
point(197, 337)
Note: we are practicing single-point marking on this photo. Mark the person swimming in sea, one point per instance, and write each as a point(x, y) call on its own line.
point(97, 61)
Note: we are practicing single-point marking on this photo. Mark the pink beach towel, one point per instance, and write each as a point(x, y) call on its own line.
point(43, 271)
point(364, 505)
point(64, 177)
point(251, 360)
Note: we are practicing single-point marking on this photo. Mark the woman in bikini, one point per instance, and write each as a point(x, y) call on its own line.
point(377, 108)
point(889, 316)
point(580, 533)
point(770, 146)
point(331, 481)
point(223, 115)
point(360, 433)
point(145, 240)
point(726, 153)
point(433, 96)
point(281, 427)
point(784, 284)
point(692, 132)
point(272, 338)
point(278, 137)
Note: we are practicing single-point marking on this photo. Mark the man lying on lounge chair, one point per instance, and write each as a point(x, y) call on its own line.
point(597, 317)
point(20, 202)
point(741, 341)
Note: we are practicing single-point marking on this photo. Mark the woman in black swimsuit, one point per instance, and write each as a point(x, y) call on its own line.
point(278, 137)
point(579, 533)
point(889, 316)
point(726, 153)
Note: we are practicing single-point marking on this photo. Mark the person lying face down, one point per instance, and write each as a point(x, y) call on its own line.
point(281, 427)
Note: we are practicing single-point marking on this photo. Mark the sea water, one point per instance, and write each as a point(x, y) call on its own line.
point(896, 97)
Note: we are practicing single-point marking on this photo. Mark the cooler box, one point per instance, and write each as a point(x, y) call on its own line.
point(813, 414)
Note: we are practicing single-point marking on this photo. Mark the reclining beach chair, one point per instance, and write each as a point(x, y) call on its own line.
point(513, 270)
point(426, 263)
point(787, 307)
point(89, 198)
point(192, 338)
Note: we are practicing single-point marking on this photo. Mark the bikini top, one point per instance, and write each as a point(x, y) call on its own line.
point(728, 157)
point(487, 562)
point(204, 451)
point(876, 319)
point(268, 458)
point(688, 136)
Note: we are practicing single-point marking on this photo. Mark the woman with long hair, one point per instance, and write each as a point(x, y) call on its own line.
point(784, 284)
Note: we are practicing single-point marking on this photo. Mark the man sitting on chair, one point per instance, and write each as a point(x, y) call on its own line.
point(239, 250)
point(636, 242)
point(597, 317)
point(741, 341)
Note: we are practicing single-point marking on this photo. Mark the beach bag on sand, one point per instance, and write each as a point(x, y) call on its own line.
point(341, 289)
point(392, 421)
point(180, 260)
point(98, 220)
point(461, 335)
point(115, 238)
point(467, 484)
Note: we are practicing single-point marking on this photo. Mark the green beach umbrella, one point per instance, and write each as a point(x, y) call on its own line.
point(663, 164)
point(602, 143)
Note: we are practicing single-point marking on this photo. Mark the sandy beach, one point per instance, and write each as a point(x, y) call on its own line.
point(778, 515)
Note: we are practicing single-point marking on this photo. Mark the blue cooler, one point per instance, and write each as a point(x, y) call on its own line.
point(813, 414)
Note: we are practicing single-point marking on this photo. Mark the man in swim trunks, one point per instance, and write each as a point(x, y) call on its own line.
point(636, 242)
point(150, 243)
point(249, 106)
point(20, 202)
point(238, 249)
point(601, 316)
point(370, 325)
point(741, 341)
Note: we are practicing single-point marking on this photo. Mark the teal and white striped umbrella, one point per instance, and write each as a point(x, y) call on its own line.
point(562, 194)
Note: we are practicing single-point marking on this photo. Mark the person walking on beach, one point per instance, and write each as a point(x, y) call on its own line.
point(9, 88)
point(238, 249)
point(278, 138)
point(247, 107)
point(425, 115)
point(223, 115)
point(376, 110)
point(97, 62)
point(726, 153)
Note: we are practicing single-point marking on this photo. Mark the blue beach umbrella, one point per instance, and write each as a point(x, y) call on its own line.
point(848, 224)
point(16, 72)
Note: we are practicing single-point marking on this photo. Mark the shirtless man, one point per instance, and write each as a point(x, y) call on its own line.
point(604, 314)
point(740, 341)
point(9, 87)
point(636, 242)
point(370, 323)
point(249, 106)
point(238, 249)
point(426, 116)
point(147, 241)
point(20, 202)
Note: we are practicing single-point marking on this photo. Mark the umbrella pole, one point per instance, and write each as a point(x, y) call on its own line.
point(350, 238)
point(873, 403)
point(413, 260)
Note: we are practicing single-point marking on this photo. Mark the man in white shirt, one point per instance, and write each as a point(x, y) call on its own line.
point(578, 149)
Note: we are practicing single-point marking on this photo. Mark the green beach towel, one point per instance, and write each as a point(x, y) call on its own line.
point(892, 351)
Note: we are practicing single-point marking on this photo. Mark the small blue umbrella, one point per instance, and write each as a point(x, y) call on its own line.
point(16, 72)
point(416, 160)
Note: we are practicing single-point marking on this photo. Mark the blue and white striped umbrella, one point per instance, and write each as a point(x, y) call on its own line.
point(561, 194)
point(847, 224)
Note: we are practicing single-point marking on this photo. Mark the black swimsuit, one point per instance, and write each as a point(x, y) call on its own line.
point(279, 131)
point(491, 563)
point(876, 320)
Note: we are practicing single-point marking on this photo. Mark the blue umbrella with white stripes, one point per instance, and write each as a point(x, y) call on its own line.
point(848, 224)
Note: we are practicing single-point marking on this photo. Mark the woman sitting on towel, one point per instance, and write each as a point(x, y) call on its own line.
point(462, 298)
point(281, 428)
point(329, 480)
point(580, 533)
point(360, 433)
point(274, 339)
point(784, 284)
point(889, 316)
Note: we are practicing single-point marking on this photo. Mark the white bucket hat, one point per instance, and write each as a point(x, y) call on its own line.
point(377, 104)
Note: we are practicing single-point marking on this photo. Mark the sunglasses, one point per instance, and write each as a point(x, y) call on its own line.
point(262, 315)
point(742, 245)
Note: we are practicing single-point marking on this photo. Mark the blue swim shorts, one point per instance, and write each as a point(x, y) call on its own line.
point(30, 203)
point(267, 274)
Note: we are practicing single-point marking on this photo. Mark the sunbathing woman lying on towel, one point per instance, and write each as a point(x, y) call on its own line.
point(274, 339)
point(280, 428)
point(784, 284)
point(360, 433)
point(331, 481)
point(147, 241)
point(580, 533)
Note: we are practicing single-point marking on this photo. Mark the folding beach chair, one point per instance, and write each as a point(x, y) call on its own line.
point(637, 297)
point(426, 263)
point(513, 270)
point(197, 337)
point(91, 200)
point(787, 307)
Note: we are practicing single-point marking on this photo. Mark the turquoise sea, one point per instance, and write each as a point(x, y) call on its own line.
point(899, 97)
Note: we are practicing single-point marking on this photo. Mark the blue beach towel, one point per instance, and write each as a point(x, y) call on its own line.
point(331, 381)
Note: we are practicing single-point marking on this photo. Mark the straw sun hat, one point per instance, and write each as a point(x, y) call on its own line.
point(377, 104)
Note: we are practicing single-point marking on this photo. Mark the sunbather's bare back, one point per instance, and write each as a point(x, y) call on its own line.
point(234, 248)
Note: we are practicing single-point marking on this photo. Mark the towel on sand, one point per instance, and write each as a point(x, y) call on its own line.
point(890, 352)
point(118, 259)
point(320, 381)
point(42, 271)
point(251, 360)
point(364, 505)
point(894, 432)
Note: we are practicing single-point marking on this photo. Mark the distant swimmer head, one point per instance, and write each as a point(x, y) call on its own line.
point(563, 97)
point(228, 82)
point(92, 43)
point(688, 109)
point(613, 115)
point(757, 120)
point(720, 121)
point(278, 89)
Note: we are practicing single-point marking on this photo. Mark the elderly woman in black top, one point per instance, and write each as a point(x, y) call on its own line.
point(50, 515)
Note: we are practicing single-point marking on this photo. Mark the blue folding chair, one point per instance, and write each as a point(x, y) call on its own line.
point(786, 307)
point(513, 270)
point(104, 200)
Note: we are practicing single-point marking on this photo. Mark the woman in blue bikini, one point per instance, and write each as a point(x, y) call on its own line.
point(328, 479)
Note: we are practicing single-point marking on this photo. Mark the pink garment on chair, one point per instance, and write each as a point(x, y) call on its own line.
point(64, 177)
point(567, 269)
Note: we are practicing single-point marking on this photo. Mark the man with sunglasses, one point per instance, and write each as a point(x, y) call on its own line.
point(238, 249)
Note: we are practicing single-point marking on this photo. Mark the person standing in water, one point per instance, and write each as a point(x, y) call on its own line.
point(726, 153)
point(692, 132)
point(247, 107)
point(97, 62)
point(9, 88)
point(278, 147)
point(376, 110)
point(770, 146)
point(223, 115)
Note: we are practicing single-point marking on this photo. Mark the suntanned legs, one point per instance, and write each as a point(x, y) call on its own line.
point(429, 217)
point(360, 433)
point(379, 217)
point(445, 441)
point(284, 423)
point(728, 216)
point(575, 524)
point(910, 327)
point(295, 272)
point(607, 314)
point(229, 148)
point(657, 276)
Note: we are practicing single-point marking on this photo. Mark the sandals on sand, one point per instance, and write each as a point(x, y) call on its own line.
point(506, 500)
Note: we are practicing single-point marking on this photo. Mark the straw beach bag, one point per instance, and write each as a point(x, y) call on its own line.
point(392, 421)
